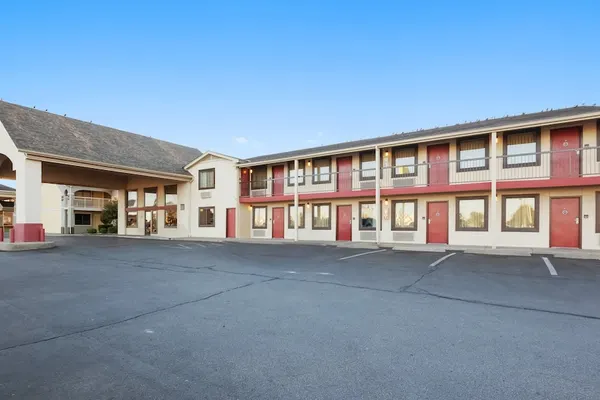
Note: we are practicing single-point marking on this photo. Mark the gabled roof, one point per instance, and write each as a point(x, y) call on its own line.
point(484, 125)
point(5, 188)
point(38, 131)
point(211, 153)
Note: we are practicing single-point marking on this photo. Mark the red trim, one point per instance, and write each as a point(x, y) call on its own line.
point(153, 208)
point(272, 199)
point(27, 233)
point(548, 183)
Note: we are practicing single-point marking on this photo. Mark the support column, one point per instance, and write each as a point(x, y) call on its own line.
point(122, 214)
point(377, 195)
point(297, 221)
point(28, 226)
point(492, 219)
point(70, 212)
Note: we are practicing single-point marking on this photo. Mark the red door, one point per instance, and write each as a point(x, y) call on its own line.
point(278, 220)
point(564, 222)
point(344, 174)
point(565, 152)
point(437, 222)
point(278, 180)
point(344, 223)
point(437, 157)
point(245, 182)
point(230, 230)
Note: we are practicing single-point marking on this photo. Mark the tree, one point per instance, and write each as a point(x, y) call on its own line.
point(110, 213)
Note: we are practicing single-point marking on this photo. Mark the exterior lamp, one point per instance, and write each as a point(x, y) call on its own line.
point(308, 163)
point(386, 153)
point(386, 202)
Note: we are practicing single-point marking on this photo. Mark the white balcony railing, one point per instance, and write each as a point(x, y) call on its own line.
point(88, 202)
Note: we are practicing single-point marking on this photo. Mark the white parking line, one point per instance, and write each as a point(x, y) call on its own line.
point(324, 273)
point(200, 244)
point(436, 262)
point(290, 272)
point(361, 254)
point(550, 266)
point(184, 246)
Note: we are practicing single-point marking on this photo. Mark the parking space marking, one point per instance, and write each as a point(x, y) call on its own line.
point(550, 266)
point(290, 272)
point(441, 260)
point(324, 273)
point(362, 254)
point(200, 245)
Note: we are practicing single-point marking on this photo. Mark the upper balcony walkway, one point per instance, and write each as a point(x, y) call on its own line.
point(571, 167)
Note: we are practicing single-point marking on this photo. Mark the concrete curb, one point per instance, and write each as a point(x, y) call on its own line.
point(26, 246)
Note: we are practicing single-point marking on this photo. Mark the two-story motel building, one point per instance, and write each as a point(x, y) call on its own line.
point(530, 180)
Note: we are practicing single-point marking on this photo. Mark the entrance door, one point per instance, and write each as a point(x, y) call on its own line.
point(278, 180)
point(278, 222)
point(230, 227)
point(437, 157)
point(344, 174)
point(245, 182)
point(564, 222)
point(151, 222)
point(565, 152)
point(344, 223)
point(437, 222)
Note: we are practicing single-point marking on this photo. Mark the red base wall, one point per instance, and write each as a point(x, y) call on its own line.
point(28, 233)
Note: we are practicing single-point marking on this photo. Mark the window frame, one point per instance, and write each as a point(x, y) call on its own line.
point(264, 182)
point(416, 214)
point(536, 217)
point(319, 182)
point(312, 217)
point(165, 195)
point(302, 225)
point(254, 217)
point(393, 161)
point(214, 216)
point(127, 226)
point(155, 193)
point(360, 204)
point(137, 198)
point(290, 168)
point(485, 214)
point(360, 161)
point(486, 147)
point(538, 148)
point(214, 181)
point(81, 213)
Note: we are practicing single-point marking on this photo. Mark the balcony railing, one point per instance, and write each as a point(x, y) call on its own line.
point(88, 202)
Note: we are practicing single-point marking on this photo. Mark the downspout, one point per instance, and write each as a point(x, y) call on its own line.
point(377, 195)
point(296, 220)
point(190, 207)
point(493, 178)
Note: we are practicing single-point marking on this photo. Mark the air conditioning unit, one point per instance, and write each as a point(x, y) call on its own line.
point(403, 237)
point(258, 193)
point(404, 182)
point(367, 184)
point(368, 236)
point(205, 195)
point(259, 233)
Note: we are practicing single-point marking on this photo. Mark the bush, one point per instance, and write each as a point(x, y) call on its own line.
point(103, 229)
point(102, 226)
point(113, 229)
point(92, 230)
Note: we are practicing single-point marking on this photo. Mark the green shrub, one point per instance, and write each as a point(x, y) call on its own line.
point(103, 229)
point(113, 229)
point(92, 230)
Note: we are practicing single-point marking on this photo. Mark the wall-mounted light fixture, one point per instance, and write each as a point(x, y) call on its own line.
point(250, 170)
point(386, 202)
point(497, 140)
point(308, 163)
point(386, 153)
point(249, 207)
point(244, 171)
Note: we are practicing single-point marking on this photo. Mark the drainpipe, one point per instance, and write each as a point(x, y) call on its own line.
point(296, 220)
point(70, 228)
point(377, 196)
point(189, 207)
point(493, 220)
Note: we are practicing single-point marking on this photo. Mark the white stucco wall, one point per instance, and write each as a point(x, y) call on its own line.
point(51, 208)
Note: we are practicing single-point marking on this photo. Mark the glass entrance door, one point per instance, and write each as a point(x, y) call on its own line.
point(151, 222)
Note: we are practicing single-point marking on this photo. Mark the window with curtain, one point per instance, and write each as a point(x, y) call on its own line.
point(292, 173)
point(321, 216)
point(472, 154)
point(259, 217)
point(367, 165)
point(520, 149)
point(206, 216)
point(404, 214)
point(206, 179)
point(368, 220)
point(520, 213)
point(322, 170)
point(471, 214)
point(292, 216)
point(258, 177)
point(83, 219)
point(404, 161)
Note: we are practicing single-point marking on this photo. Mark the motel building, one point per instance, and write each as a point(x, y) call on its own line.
point(531, 180)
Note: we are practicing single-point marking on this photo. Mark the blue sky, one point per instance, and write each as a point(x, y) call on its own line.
point(253, 77)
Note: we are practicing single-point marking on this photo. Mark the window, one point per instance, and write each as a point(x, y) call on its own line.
point(471, 214)
point(83, 219)
point(292, 174)
point(171, 212)
point(321, 170)
point(321, 216)
point(292, 216)
point(259, 217)
point(206, 217)
point(404, 161)
point(150, 197)
point(520, 149)
point(367, 165)
point(132, 198)
point(259, 177)
point(206, 179)
point(520, 213)
point(132, 217)
point(171, 195)
point(472, 154)
point(404, 214)
point(367, 216)
point(7, 218)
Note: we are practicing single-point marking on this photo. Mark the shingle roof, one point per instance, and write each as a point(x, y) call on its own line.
point(483, 124)
point(44, 132)
point(6, 188)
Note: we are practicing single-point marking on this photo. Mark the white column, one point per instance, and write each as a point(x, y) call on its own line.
point(377, 194)
point(122, 215)
point(29, 192)
point(296, 220)
point(70, 212)
point(492, 218)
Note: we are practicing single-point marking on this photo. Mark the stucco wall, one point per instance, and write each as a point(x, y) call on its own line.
point(51, 208)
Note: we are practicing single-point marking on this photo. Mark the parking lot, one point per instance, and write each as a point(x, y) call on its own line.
point(116, 318)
